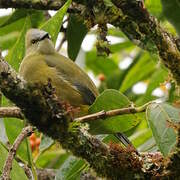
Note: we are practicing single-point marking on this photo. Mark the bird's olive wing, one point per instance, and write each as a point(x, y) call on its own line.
point(86, 93)
point(76, 83)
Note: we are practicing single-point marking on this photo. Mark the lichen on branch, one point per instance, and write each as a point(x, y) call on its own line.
point(41, 107)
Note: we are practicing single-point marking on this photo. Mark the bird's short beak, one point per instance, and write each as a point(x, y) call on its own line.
point(44, 36)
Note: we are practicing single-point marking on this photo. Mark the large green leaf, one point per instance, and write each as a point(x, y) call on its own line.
point(16, 54)
point(13, 129)
point(76, 32)
point(15, 26)
point(53, 25)
point(148, 146)
point(108, 100)
point(17, 172)
point(141, 70)
point(161, 118)
point(4, 19)
point(71, 169)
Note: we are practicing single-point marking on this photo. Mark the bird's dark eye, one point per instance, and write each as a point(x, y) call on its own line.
point(33, 41)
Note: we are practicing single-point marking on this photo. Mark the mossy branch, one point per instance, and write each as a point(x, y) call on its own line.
point(41, 107)
point(130, 16)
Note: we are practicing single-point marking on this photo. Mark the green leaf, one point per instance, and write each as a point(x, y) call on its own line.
point(127, 45)
point(114, 80)
point(141, 70)
point(71, 169)
point(53, 25)
point(99, 64)
point(7, 41)
point(4, 19)
point(141, 137)
point(36, 17)
point(116, 32)
point(16, 54)
point(161, 118)
point(52, 159)
point(154, 7)
point(76, 32)
point(148, 146)
point(46, 142)
point(16, 15)
point(13, 129)
point(158, 77)
point(171, 10)
point(17, 172)
point(109, 100)
point(16, 26)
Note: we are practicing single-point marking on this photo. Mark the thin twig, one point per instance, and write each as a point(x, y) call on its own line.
point(105, 114)
point(61, 44)
point(16, 112)
point(11, 112)
point(12, 152)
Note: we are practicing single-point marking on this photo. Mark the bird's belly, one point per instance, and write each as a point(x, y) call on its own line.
point(64, 90)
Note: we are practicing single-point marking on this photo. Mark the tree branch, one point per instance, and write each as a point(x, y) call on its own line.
point(39, 4)
point(41, 107)
point(111, 113)
point(16, 113)
point(145, 31)
point(12, 152)
point(130, 16)
point(11, 112)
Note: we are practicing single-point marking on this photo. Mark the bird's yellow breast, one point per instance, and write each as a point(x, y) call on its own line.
point(35, 70)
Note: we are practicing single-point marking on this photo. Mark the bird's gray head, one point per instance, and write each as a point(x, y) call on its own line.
point(38, 41)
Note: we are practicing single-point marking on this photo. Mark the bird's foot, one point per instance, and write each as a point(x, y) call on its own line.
point(70, 110)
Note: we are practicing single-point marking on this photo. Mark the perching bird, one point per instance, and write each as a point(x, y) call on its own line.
point(72, 84)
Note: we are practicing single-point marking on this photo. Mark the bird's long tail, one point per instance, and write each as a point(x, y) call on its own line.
point(124, 140)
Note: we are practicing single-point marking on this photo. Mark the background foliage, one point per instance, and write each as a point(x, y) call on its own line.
point(134, 76)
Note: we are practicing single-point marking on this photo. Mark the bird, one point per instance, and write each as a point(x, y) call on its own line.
point(42, 62)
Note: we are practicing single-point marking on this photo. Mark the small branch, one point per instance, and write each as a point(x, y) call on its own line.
point(11, 112)
point(39, 4)
point(115, 112)
point(16, 113)
point(61, 43)
point(12, 152)
point(42, 109)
